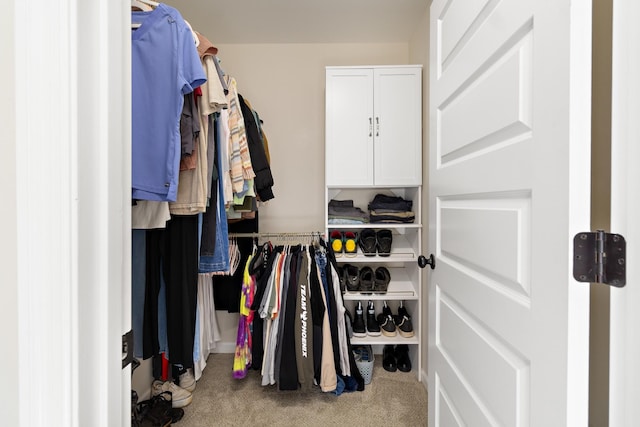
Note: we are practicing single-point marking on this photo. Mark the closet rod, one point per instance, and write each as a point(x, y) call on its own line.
point(287, 234)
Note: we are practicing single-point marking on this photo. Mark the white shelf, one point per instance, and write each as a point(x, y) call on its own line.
point(375, 226)
point(401, 251)
point(383, 340)
point(400, 288)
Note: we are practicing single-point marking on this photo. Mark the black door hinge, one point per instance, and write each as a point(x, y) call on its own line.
point(600, 257)
point(127, 349)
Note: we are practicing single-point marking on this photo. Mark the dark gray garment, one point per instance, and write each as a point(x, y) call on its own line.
point(189, 125)
point(283, 306)
point(304, 327)
point(212, 169)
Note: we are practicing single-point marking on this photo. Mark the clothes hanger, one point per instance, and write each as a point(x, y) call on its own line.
point(196, 40)
point(142, 5)
point(151, 3)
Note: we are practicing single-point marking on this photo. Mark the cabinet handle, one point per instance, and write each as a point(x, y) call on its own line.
point(370, 127)
point(377, 126)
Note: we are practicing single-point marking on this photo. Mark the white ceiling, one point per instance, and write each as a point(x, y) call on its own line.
point(303, 21)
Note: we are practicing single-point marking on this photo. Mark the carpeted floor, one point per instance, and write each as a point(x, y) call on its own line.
point(391, 399)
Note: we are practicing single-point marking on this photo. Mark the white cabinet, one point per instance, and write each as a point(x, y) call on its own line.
point(373, 146)
point(373, 127)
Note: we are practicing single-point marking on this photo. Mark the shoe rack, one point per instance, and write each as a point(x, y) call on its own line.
point(405, 285)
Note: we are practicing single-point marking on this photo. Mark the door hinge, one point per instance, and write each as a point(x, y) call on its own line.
point(127, 349)
point(600, 257)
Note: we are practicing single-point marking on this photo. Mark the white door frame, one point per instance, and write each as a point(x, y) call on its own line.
point(624, 389)
point(71, 74)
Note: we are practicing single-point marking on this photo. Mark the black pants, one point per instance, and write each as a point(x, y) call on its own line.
point(173, 253)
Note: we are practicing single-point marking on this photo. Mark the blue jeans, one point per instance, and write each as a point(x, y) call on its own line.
point(219, 261)
point(321, 262)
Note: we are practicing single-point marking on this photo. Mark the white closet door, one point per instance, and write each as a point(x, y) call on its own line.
point(349, 127)
point(397, 126)
point(509, 188)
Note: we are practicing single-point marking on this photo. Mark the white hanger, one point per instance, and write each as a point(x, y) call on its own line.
point(151, 3)
point(142, 5)
point(196, 40)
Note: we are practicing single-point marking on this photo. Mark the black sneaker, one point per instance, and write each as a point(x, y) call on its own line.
point(373, 329)
point(359, 329)
point(156, 411)
point(385, 320)
point(403, 362)
point(403, 322)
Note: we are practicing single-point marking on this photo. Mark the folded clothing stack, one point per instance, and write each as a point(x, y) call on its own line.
point(343, 212)
point(390, 209)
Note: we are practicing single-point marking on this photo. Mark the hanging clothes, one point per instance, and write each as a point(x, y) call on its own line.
point(165, 66)
point(242, 357)
point(299, 333)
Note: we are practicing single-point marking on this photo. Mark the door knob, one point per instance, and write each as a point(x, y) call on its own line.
point(424, 261)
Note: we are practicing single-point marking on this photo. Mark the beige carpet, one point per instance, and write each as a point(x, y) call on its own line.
point(391, 399)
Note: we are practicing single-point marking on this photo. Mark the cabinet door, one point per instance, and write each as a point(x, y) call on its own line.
point(397, 126)
point(349, 127)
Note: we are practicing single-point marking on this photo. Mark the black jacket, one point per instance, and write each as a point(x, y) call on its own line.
point(263, 180)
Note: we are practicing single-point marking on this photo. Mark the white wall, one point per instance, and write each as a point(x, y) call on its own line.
point(8, 257)
point(285, 84)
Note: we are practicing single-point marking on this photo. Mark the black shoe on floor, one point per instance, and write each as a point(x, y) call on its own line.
point(359, 329)
point(403, 362)
point(156, 411)
point(389, 359)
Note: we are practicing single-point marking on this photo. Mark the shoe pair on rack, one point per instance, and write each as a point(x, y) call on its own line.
point(392, 325)
point(396, 358)
point(384, 323)
point(372, 242)
point(362, 328)
point(365, 279)
point(344, 242)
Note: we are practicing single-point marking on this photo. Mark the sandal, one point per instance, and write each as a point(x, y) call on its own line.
point(367, 242)
point(351, 277)
point(381, 280)
point(350, 243)
point(336, 240)
point(366, 280)
point(384, 239)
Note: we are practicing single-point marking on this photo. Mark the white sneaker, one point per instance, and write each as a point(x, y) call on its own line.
point(179, 396)
point(187, 381)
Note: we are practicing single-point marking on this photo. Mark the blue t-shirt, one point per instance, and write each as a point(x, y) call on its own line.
point(165, 67)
